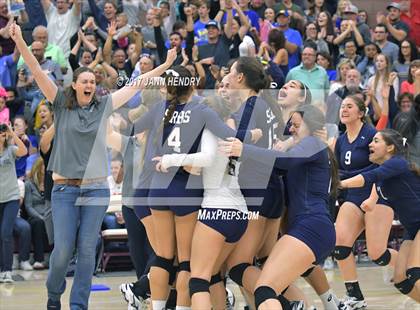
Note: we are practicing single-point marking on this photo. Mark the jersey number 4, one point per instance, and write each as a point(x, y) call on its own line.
point(347, 158)
point(174, 139)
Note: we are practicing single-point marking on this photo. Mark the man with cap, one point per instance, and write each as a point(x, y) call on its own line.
point(293, 38)
point(351, 12)
point(216, 51)
point(397, 29)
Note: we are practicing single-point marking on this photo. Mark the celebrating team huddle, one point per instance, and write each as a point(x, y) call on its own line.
point(262, 158)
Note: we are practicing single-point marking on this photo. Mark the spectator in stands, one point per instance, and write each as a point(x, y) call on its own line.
point(296, 13)
point(4, 110)
point(350, 52)
point(388, 48)
point(326, 32)
point(334, 100)
point(115, 180)
point(82, 57)
point(15, 104)
point(119, 62)
point(167, 12)
point(412, 85)
point(381, 79)
point(22, 231)
point(315, 7)
point(350, 13)
point(363, 17)
point(407, 53)
point(311, 35)
point(405, 102)
point(311, 74)
point(20, 127)
point(397, 29)
point(324, 60)
point(6, 44)
point(200, 31)
point(105, 16)
point(8, 68)
point(408, 124)
point(259, 7)
point(35, 208)
point(276, 49)
point(293, 38)
point(9, 197)
point(51, 51)
point(342, 68)
point(63, 22)
point(243, 44)
point(149, 35)
point(366, 66)
point(348, 32)
point(27, 87)
point(114, 220)
point(410, 14)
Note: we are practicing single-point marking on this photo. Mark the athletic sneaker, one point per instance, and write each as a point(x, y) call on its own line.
point(352, 303)
point(6, 277)
point(134, 303)
point(297, 305)
point(328, 264)
point(230, 300)
point(25, 265)
point(53, 304)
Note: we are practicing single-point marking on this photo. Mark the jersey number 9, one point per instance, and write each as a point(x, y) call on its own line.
point(347, 158)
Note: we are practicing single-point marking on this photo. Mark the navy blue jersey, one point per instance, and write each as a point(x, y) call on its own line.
point(252, 173)
point(399, 186)
point(182, 134)
point(353, 158)
point(308, 174)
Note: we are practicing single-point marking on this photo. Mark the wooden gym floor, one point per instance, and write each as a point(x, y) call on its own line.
point(31, 293)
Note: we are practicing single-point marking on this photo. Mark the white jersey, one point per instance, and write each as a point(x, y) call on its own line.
point(221, 190)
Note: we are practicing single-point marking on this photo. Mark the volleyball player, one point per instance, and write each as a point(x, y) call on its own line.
point(308, 176)
point(175, 195)
point(352, 152)
point(397, 184)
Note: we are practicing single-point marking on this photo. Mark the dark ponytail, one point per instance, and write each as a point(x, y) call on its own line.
point(393, 137)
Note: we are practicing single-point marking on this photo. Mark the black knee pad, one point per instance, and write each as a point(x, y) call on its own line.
point(405, 286)
point(384, 259)
point(184, 266)
point(164, 263)
point(263, 293)
point(198, 285)
point(284, 291)
point(216, 279)
point(236, 273)
point(342, 252)
point(308, 272)
point(413, 274)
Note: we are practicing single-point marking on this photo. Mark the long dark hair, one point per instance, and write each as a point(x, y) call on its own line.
point(393, 137)
point(361, 106)
point(330, 25)
point(413, 55)
point(276, 39)
point(408, 124)
point(70, 93)
point(410, 78)
point(314, 120)
point(254, 73)
point(219, 105)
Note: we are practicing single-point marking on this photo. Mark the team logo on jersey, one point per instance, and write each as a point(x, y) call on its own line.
point(380, 192)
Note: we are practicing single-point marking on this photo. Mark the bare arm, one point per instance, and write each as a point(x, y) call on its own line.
point(46, 4)
point(243, 18)
point(398, 34)
point(4, 32)
point(47, 137)
point(107, 51)
point(22, 150)
point(340, 38)
point(47, 86)
point(357, 35)
point(120, 97)
point(228, 26)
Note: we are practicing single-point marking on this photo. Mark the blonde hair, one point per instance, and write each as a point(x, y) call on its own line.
point(37, 172)
point(387, 71)
point(344, 61)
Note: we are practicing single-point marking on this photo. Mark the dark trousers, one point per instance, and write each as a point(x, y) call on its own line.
point(8, 214)
point(39, 238)
point(140, 250)
point(22, 230)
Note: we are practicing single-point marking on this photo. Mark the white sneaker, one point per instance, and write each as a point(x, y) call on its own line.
point(7, 277)
point(38, 266)
point(25, 265)
point(230, 299)
point(133, 301)
point(352, 303)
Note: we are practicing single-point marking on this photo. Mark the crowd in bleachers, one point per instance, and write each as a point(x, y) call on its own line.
point(331, 46)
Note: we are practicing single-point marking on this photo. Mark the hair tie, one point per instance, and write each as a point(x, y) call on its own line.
point(404, 141)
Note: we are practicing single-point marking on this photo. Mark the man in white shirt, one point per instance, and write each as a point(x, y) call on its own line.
point(63, 22)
